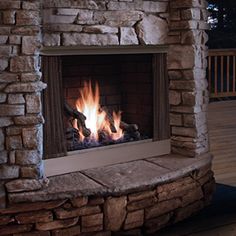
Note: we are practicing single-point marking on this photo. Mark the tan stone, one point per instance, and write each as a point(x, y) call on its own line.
point(32, 137)
point(176, 119)
point(33, 103)
point(152, 30)
point(86, 210)
point(9, 171)
point(14, 142)
point(16, 99)
point(5, 50)
point(13, 130)
point(96, 201)
point(154, 7)
point(182, 131)
point(92, 220)
point(31, 172)
point(26, 88)
point(142, 203)
point(30, 45)
point(34, 217)
point(15, 39)
point(5, 4)
point(79, 201)
point(134, 219)
point(23, 64)
point(30, 77)
point(115, 212)
point(161, 208)
point(174, 97)
point(14, 229)
point(182, 85)
point(133, 197)
point(57, 224)
point(192, 196)
point(26, 17)
point(29, 120)
point(29, 30)
point(6, 77)
point(128, 36)
point(9, 17)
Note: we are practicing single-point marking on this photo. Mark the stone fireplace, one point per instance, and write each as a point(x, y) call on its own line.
point(149, 58)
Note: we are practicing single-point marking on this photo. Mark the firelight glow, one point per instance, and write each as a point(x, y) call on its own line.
point(96, 118)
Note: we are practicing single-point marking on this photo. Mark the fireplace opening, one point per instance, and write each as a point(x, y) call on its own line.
point(108, 99)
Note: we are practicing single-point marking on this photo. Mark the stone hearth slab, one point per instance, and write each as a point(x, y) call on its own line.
point(61, 187)
point(127, 177)
point(116, 179)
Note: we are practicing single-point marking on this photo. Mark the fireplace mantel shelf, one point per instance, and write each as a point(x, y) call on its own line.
point(116, 179)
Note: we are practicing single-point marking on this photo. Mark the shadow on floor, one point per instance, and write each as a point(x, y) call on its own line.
point(221, 212)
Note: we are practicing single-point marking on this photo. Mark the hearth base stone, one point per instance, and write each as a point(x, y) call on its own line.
point(133, 198)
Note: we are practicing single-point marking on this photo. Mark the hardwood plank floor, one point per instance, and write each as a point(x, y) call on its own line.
point(222, 134)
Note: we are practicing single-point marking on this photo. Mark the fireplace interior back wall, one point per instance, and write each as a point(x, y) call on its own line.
point(125, 84)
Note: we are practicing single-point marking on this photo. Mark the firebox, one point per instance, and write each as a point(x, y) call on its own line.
point(104, 106)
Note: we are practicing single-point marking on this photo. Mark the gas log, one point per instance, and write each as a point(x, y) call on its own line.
point(76, 142)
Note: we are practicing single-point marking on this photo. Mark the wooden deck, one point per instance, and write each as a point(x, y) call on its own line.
point(222, 133)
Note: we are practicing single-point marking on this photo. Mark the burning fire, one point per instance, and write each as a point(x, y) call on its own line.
point(96, 117)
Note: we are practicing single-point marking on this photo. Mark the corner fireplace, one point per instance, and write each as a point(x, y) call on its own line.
point(130, 90)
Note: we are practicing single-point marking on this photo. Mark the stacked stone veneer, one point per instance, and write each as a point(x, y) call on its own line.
point(26, 26)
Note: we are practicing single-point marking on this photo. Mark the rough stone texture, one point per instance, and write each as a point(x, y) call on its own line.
point(12, 110)
point(9, 171)
point(27, 157)
point(33, 103)
point(114, 213)
point(128, 36)
point(23, 64)
point(25, 87)
point(152, 30)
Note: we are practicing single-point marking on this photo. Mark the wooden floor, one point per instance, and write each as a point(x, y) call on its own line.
point(222, 134)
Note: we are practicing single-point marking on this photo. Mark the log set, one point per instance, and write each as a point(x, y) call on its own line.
point(75, 141)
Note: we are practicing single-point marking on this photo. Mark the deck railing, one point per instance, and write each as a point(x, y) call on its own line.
point(222, 73)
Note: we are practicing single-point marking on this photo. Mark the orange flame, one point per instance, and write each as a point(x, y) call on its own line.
point(96, 118)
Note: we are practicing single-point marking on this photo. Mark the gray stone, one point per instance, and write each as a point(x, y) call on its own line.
point(63, 28)
point(3, 195)
point(60, 187)
point(128, 36)
point(16, 99)
point(25, 87)
point(9, 17)
point(154, 7)
point(100, 29)
point(152, 30)
point(31, 5)
point(21, 185)
point(31, 77)
point(89, 39)
point(12, 110)
point(26, 17)
point(33, 103)
point(15, 39)
point(3, 157)
point(118, 18)
point(51, 40)
point(50, 18)
point(3, 97)
point(5, 50)
point(30, 45)
point(13, 130)
point(4, 4)
point(23, 64)
point(29, 120)
point(9, 171)
point(27, 157)
point(3, 39)
point(13, 142)
point(32, 137)
point(85, 17)
point(6, 77)
point(114, 212)
point(29, 30)
point(3, 64)
point(132, 175)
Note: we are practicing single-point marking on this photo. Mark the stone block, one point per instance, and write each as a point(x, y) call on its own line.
point(5, 121)
point(9, 171)
point(191, 37)
point(6, 77)
point(3, 97)
point(3, 64)
point(114, 212)
point(147, 202)
point(33, 103)
point(31, 172)
point(182, 131)
point(3, 196)
point(32, 137)
point(51, 40)
point(5, 4)
point(134, 197)
point(15, 99)
point(134, 219)
point(85, 17)
point(57, 224)
point(128, 36)
point(72, 231)
point(29, 120)
point(192, 196)
point(121, 6)
point(96, 201)
point(100, 29)
point(28, 157)
point(13, 142)
point(23, 30)
point(29, 5)
point(30, 45)
point(86, 210)
point(13, 130)
point(91, 221)
point(34, 217)
point(3, 157)
point(5, 50)
point(26, 18)
point(31, 77)
point(23, 185)
point(89, 39)
point(152, 30)
point(62, 28)
point(188, 4)
point(80, 201)
point(23, 64)
point(9, 17)
point(174, 97)
point(176, 119)
point(182, 85)
point(162, 208)
point(50, 18)
point(192, 98)
point(191, 14)
point(154, 7)
point(3, 39)
point(118, 18)
point(15, 39)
